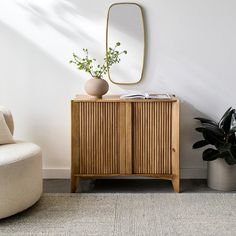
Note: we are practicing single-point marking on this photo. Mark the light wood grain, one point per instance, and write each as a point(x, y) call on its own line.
point(151, 138)
point(122, 137)
point(74, 146)
point(98, 140)
point(125, 138)
point(157, 176)
point(128, 138)
point(116, 98)
point(175, 147)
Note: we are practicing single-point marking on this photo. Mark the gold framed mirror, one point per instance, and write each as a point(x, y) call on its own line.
point(125, 24)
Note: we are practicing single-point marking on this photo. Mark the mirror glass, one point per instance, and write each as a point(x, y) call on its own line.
point(125, 25)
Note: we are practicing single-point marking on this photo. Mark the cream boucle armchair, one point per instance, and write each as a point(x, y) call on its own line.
point(20, 173)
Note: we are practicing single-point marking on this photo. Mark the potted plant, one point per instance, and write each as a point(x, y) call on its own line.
point(221, 154)
point(97, 86)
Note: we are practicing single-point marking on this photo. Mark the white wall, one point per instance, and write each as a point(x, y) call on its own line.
point(191, 53)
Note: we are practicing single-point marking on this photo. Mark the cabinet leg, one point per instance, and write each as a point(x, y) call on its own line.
point(74, 183)
point(176, 184)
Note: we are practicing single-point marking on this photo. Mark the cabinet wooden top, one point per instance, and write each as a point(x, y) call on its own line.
point(116, 98)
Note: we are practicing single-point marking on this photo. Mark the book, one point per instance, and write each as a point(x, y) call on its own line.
point(145, 96)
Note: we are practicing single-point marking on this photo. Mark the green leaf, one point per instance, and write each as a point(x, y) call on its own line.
point(225, 121)
point(225, 115)
point(210, 154)
point(215, 129)
point(228, 152)
point(232, 130)
point(232, 139)
point(212, 138)
point(200, 129)
point(207, 121)
point(222, 136)
point(200, 144)
point(233, 123)
point(229, 157)
point(86, 63)
point(225, 147)
point(233, 150)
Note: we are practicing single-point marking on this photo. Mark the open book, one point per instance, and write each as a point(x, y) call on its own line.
point(145, 96)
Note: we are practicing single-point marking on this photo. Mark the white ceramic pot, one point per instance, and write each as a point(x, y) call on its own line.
point(96, 87)
point(221, 176)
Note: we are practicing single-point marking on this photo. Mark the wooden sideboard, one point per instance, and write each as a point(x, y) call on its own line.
point(115, 137)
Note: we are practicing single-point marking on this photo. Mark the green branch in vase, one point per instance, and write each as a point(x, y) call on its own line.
point(98, 71)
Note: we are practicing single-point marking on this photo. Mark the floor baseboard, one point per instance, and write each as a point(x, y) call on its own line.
point(56, 173)
point(186, 173)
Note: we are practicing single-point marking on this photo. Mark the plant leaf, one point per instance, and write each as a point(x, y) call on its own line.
point(211, 135)
point(229, 157)
point(215, 129)
point(225, 115)
point(233, 122)
point(233, 150)
point(206, 121)
point(200, 129)
point(232, 130)
point(200, 144)
point(228, 152)
point(212, 138)
point(232, 139)
point(225, 147)
point(210, 154)
point(225, 121)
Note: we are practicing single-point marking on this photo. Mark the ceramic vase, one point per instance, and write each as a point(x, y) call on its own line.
point(96, 87)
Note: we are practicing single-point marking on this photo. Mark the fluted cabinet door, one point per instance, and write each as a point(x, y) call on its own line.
point(101, 137)
point(152, 127)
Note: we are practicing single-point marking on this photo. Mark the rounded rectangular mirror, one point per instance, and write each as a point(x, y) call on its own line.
point(125, 24)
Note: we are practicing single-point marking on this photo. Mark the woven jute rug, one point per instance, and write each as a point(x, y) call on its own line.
point(127, 214)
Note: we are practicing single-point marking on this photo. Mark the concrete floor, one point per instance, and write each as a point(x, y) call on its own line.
point(125, 186)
